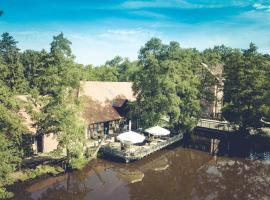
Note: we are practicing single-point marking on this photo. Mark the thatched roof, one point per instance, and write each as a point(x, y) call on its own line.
point(101, 98)
point(102, 101)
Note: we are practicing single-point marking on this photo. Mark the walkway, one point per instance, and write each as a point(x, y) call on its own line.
point(215, 125)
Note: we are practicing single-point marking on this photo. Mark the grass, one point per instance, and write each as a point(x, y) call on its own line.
point(33, 173)
point(28, 174)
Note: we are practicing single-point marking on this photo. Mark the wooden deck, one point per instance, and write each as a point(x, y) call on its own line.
point(215, 125)
point(137, 152)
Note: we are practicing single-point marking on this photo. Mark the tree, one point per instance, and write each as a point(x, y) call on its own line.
point(11, 130)
point(11, 70)
point(32, 62)
point(58, 69)
point(60, 48)
point(88, 73)
point(126, 70)
point(116, 61)
point(61, 116)
point(106, 73)
point(246, 86)
point(166, 85)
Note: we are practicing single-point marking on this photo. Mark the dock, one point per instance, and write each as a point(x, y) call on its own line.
point(137, 152)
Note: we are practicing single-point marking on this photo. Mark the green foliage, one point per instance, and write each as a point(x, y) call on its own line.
point(10, 123)
point(246, 88)
point(169, 82)
point(11, 69)
point(11, 130)
point(117, 69)
point(79, 162)
point(4, 194)
point(166, 85)
point(127, 70)
point(9, 159)
point(33, 63)
point(61, 116)
point(61, 108)
point(106, 73)
point(87, 73)
point(42, 170)
point(59, 69)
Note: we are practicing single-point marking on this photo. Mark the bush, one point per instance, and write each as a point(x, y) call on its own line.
point(4, 194)
point(79, 163)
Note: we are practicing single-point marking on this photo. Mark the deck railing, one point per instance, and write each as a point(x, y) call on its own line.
point(215, 124)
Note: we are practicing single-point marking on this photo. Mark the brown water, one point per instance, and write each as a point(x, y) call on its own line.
point(174, 173)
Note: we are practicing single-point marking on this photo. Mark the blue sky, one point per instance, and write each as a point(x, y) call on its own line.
point(102, 29)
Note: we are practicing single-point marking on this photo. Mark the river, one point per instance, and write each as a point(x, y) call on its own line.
point(172, 173)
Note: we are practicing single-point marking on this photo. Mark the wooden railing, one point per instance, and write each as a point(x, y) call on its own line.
point(215, 124)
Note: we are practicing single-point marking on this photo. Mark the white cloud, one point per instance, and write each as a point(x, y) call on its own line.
point(150, 14)
point(262, 7)
point(259, 6)
point(96, 49)
point(128, 35)
point(185, 4)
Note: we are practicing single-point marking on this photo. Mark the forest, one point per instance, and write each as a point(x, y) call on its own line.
point(169, 80)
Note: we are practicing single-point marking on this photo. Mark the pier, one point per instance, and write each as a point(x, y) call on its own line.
point(137, 152)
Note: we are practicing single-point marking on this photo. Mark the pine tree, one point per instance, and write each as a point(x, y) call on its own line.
point(11, 69)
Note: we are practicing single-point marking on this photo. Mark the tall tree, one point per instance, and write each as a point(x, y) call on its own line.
point(166, 85)
point(11, 69)
point(61, 116)
point(59, 69)
point(246, 86)
point(60, 113)
point(32, 62)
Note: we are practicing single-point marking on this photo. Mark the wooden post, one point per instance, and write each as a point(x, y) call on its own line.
point(129, 125)
point(214, 146)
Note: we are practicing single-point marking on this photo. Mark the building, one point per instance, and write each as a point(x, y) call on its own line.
point(104, 112)
point(105, 106)
point(38, 142)
point(213, 109)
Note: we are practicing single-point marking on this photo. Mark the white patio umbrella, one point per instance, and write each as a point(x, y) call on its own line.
point(131, 137)
point(157, 131)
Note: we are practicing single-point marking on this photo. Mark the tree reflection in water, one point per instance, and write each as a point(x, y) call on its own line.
point(170, 174)
point(233, 179)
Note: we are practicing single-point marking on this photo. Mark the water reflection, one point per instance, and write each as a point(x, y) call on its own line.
point(175, 173)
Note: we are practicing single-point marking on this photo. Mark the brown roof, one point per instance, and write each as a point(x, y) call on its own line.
point(118, 103)
point(99, 98)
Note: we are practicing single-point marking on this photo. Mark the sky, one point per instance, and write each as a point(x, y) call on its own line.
point(102, 29)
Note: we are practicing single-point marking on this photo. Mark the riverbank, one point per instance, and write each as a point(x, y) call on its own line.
point(258, 143)
point(40, 166)
point(28, 174)
point(172, 173)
